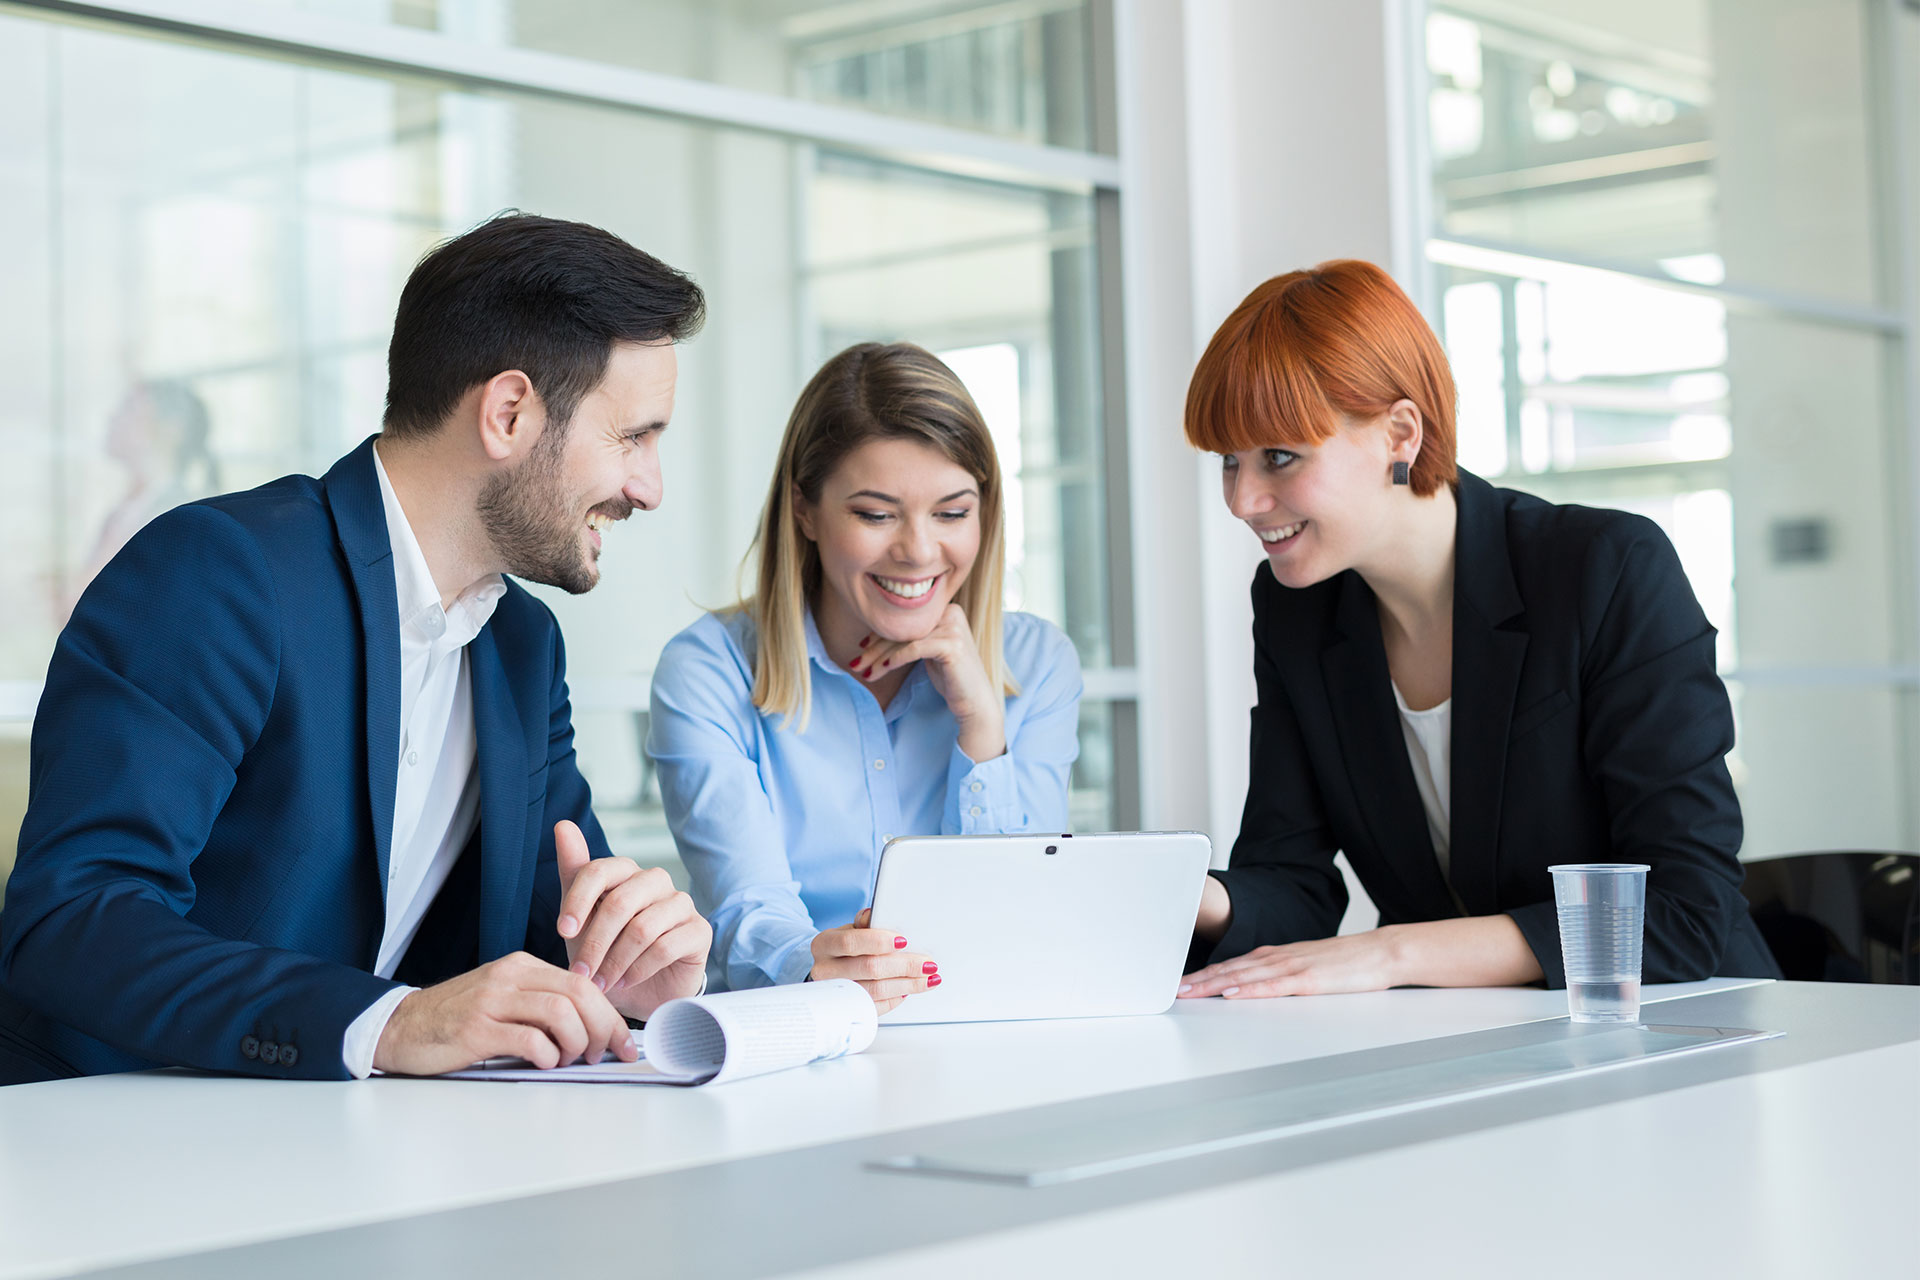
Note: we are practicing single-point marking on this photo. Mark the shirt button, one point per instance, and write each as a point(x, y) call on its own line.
point(435, 622)
point(413, 757)
point(976, 787)
point(975, 811)
point(879, 764)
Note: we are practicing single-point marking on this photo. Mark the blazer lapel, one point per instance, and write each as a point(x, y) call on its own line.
point(506, 880)
point(1354, 665)
point(360, 520)
point(1489, 648)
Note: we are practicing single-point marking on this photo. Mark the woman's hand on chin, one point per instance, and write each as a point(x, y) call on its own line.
point(1367, 961)
point(958, 675)
point(877, 959)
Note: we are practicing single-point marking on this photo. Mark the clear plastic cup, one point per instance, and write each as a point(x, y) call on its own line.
point(1603, 909)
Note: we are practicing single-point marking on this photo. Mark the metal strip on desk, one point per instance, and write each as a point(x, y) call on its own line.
point(1077, 1149)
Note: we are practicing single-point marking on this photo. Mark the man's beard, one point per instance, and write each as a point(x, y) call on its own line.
point(528, 514)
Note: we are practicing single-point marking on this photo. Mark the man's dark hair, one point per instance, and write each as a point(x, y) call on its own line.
point(546, 297)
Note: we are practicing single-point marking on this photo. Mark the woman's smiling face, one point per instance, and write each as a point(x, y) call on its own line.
point(1318, 509)
point(897, 526)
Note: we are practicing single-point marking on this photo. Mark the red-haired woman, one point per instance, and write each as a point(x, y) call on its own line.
point(1458, 685)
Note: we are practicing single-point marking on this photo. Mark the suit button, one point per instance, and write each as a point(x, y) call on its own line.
point(269, 1053)
point(288, 1055)
point(250, 1047)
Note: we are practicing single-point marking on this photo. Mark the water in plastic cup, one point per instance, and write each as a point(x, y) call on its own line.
point(1603, 907)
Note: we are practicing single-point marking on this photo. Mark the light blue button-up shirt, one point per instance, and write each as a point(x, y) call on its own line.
point(781, 831)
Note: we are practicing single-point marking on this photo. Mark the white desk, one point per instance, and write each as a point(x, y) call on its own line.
point(1761, 1172)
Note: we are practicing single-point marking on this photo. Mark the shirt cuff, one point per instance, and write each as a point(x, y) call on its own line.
point(984, 798)
point(796, 964)
point(363, 1033)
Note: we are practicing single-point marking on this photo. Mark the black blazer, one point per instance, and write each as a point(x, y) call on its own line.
point(1588, 726)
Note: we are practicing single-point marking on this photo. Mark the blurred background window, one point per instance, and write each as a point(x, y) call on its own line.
point(209, 232)
point(1664, 258)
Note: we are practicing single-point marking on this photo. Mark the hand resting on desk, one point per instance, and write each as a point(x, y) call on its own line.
point(1478, 951)
point(874, 958)
point(517, 1006)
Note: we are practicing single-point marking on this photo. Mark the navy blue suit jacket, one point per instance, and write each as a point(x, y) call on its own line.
point(1588, 726)
point(203, 865)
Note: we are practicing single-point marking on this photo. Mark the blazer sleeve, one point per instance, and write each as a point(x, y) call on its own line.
point(158, 687)
point(568, 797)
point(1656, 728)
point(1281, 878)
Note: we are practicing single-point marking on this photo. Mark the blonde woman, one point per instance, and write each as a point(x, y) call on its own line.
point(871, 686)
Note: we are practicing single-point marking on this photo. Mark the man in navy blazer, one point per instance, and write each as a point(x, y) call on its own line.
point(304, 798)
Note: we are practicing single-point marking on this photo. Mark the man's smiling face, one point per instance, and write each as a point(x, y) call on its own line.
point(547, 516)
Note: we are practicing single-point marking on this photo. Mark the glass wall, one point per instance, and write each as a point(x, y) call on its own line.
point(209, 245)
point(1013, 70)
point(1662, 264)
point(1692, 139)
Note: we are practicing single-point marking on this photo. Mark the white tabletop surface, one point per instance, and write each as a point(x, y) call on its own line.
point(119, 1169)
point(1822, 1188)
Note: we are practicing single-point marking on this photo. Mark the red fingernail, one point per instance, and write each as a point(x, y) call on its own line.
point(929, 967)
point(887, 663)
point(854, 666)
point(865, 642)
point(898, 943)
point(934, 981)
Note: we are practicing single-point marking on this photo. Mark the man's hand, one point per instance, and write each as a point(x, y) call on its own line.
point(518, 1006)
point(629, 932)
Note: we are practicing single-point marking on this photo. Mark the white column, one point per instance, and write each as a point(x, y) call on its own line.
point(1158, 319)
point(1257, 138)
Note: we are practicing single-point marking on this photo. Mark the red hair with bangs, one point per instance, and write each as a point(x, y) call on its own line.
point(1308, 346)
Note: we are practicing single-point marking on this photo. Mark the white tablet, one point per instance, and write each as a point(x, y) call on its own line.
point(1043, 926)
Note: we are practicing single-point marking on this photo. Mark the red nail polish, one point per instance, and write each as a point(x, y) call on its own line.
point(855, 668)
point(887, 663)
point(866, 641)
point(899, 944)
point(934, 981)
point(929, 967)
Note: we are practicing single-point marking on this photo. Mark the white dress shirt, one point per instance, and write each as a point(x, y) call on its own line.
point(436, 799)
point(1429, 737)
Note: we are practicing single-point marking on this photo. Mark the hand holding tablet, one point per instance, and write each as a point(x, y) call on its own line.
point(877, 959)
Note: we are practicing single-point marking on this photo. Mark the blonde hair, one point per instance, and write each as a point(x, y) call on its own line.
point(872, 391)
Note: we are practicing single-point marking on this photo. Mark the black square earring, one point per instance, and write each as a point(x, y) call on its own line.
point(1400, 473)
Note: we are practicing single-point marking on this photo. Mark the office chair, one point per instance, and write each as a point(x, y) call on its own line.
point(1840, 916)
